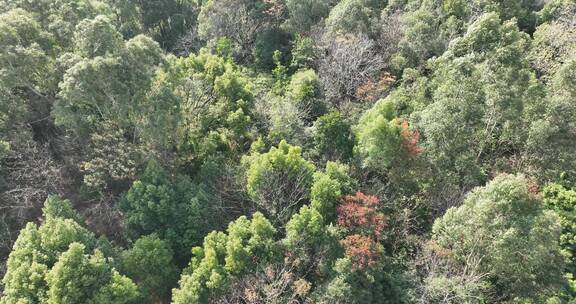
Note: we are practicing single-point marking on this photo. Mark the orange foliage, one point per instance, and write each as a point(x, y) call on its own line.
point(371, 91)
point(360, 215)
point(363, 250)
point(409, 139)
point(274, 8)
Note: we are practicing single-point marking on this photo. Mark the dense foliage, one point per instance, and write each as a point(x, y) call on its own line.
point(287, 151)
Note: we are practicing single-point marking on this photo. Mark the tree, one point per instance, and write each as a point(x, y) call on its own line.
point(149, 263)
point(75, 276)
point(239, 21)
point(303, 52)
point(427, 30)
point(49, 264)
point(329, 187)
point(26, 79)
point(353, 16)
point(247, 243)
point(279, 181)
point(99, 89)
point(384, 140)
point(349, 63)
point(24, 56)
point(365, 225)
point(306, 226)
point(549, 53)
point(446, 281)
point(483, 119)
point(79, 277)
point(96, 37)
point(171, 207)
point(120, 290)
point(273, 283)
point(562, 199)
point(553, 127)
point(303, 14)
point(504, 226)
point(112, 162)
point(56, 207)
point(216, 105)
point(59, 17)
point(283, 120)
point(304, 90)
point(166, 21)
point(267, 42)
point(382, 283)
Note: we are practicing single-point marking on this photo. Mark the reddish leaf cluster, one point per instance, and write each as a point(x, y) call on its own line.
point(409, 139)
point(274, 8)
point(359, 214)
point(371, 91)
point(363, 250)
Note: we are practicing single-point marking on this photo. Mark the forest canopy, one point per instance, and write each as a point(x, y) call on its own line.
point(287, 151)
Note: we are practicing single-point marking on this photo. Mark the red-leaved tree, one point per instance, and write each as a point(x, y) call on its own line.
point(409, 139)
point(365, 224)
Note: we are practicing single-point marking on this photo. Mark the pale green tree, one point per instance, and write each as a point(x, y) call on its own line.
point(112, 87)
point(504, 227)
point(223, 255)
point(279, 181)
point(59, 262)
point(549, 147)
point(484, 89)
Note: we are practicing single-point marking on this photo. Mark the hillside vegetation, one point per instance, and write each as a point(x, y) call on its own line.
point(287, 151)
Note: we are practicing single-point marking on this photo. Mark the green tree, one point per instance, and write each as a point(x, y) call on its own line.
point(562, 200)
point(306, 226)
point(485, 92)
point(303, 52)
point(26, 77)
point(59, 17)
point(305, 91)
point(166, 21)
point(149, 263)
point(384, 283)
point(329, 187)
point(333, 137)
point(56, 207)
point(303, 14)
point(354, 16)
point(171, 207)
point(109, 88)
point(311, 245)
point(119, 290)
point(383, 140)
point(550, 134)
point(25, 56)
point(552, 42)
point(279, 181)
point(267, 42)
point(49, 264)
point(504, 226)
point(216, 105)
point(96, 37)
point(224, 255)
point(76, 276)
